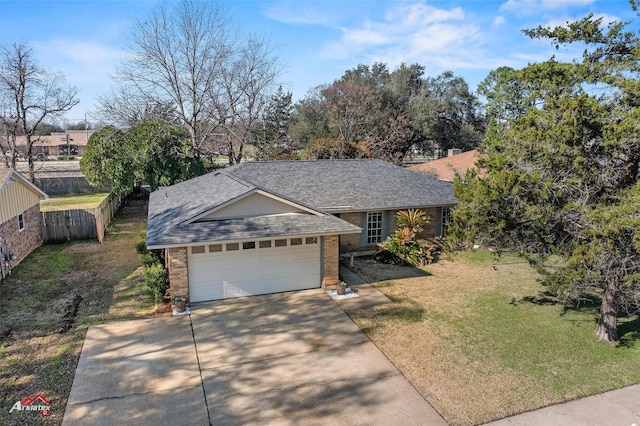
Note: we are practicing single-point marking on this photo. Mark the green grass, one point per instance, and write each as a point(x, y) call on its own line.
point(480, 338)
point(73, 202)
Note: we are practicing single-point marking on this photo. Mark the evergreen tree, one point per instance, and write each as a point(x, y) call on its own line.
point(562, 180)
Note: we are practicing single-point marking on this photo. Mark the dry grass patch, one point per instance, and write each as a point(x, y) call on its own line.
point(39, 349)
point(480, 340)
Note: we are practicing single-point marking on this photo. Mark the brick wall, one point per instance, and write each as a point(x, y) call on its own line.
point(351, 242)
point(429, 230)
point(176, 261)
point(330, 258)
point(21, 243)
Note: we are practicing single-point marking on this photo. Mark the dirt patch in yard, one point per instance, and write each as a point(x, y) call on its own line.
point(48, 303)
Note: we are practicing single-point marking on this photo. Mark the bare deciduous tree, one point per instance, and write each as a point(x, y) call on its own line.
point(247, 84)
point(352, 107)
point(187, 65)
point(31, 94)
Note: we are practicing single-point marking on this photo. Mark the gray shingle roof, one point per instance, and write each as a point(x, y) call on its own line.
point(170, 206)
point(259, 227)
point(326, 186)
point(347, 185)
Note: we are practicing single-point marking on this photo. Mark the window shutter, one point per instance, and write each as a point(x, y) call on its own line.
point(438, 222)
point(363, 225)
point(386, 224)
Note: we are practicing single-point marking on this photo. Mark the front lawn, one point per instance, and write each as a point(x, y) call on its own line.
point(481, 340)
point(41, 334)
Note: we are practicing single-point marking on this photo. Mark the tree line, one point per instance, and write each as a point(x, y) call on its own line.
point(187, 65)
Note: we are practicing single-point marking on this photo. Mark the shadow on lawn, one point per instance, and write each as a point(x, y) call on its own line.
point(629, 332)
point(547, 298)
point(544, 298)
point(628, 327)
point(373, 271)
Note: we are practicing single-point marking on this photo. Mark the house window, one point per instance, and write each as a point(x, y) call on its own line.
point(447, 220)
point(197, 250)
point(374, 227)
point(233, 246)
point(280, 243)
point(215, 248)
point(296, 241)
point(249, 245)
point(265, 244)
point(311, 240)
point(21, 221)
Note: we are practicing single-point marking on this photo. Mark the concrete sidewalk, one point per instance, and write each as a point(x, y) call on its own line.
point(620, 407)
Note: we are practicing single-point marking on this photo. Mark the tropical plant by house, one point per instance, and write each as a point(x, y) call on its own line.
point(403, 247)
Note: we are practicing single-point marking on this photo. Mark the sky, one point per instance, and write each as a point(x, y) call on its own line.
point(316, 41)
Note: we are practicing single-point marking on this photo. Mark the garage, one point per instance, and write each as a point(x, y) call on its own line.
point(226, 270)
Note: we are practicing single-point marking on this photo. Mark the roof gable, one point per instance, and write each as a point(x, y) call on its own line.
point(9, 176)
point(251, 204)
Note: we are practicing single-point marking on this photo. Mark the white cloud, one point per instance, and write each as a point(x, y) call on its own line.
point(422, 14)
point(560, 4)
point(405, 33)
point(498, 21)
point(80, 60)
point(364, 36)
point(533, 7)
point(309, 14)
point(520, 7)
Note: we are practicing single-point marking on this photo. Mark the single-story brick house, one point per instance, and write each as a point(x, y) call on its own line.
point(267, 227)
point(55, 144)
point(20, 219)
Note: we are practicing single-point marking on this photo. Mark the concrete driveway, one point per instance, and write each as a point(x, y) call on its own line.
point(290, 358)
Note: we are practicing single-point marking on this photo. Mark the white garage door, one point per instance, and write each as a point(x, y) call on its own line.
point(221, 271)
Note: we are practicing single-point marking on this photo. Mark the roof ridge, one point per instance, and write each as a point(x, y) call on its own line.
point(304, 161)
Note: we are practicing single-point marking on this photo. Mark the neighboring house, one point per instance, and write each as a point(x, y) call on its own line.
point(446, 168)
point(55, 144)
point(267, 227)
point(20, 218)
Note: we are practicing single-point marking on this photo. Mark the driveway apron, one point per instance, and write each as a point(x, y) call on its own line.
point(281, 359)
point(142, 372)
point(297, 358)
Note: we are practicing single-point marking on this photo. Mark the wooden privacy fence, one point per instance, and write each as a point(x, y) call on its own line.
point(87, 224)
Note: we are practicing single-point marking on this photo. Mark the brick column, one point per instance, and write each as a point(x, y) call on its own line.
point(176, 260)
point(330, 257)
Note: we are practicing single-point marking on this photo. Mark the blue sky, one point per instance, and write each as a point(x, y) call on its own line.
point(316, 40)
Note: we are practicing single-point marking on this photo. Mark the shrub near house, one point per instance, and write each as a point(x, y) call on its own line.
point(403, 246)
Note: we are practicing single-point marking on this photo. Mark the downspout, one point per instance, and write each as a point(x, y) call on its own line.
point(2, 275)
